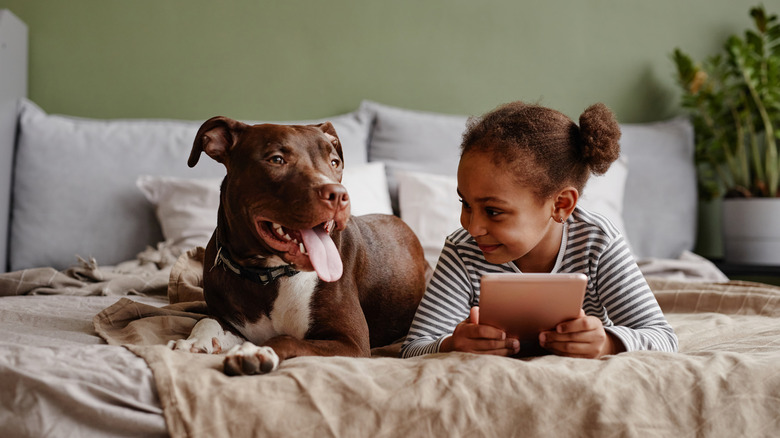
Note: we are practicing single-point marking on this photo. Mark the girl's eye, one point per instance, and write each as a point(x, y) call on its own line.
point(277, 159)
point(465, 204)
point(492, 212)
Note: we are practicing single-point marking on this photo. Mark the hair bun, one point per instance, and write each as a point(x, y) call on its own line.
point(599, 136)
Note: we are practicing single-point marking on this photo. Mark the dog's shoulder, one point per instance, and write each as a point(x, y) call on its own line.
point(382, 233)
point(379, 223)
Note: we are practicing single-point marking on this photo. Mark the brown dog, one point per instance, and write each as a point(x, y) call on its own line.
point(288, 268)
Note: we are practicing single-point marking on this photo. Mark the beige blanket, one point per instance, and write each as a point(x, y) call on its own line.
point(724, 382)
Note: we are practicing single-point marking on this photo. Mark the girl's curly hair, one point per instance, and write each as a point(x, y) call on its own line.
point(545, 148)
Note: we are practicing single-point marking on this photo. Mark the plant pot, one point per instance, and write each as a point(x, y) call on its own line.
point(709, 229)
point(751, 231)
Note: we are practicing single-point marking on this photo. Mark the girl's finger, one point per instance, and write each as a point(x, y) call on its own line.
point(582, 324)
point(584, 336)
point(499, 347)
point(485, 332)
point(572, 349)
point(474, 315)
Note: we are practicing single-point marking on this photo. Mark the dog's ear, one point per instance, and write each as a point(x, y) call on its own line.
point(215, 137)
point(330, 132)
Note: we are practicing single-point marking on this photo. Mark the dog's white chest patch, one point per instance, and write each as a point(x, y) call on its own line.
point(291, 314)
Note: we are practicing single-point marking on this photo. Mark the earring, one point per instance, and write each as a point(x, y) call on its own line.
point(561, 220)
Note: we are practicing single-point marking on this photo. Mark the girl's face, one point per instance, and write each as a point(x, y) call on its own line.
point(506, 219)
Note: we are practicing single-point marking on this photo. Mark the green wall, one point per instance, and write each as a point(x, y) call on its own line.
point(267, 59)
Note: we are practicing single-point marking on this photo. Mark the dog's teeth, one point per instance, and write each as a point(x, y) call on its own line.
point(303, 249)
point(287, 237)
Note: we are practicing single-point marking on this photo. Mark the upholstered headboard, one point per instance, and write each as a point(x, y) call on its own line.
point(13, 85)
point(75, 183)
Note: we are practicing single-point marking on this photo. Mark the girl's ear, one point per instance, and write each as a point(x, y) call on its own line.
point(565, 201)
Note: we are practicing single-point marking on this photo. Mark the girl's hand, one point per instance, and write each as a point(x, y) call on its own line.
point(583, 336)
point(471, 337)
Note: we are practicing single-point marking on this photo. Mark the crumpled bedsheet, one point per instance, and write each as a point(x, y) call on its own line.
point(724, 382)
point(148, 274)
point(58, 378)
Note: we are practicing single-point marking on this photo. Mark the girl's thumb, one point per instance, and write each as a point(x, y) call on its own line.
point(474, 315)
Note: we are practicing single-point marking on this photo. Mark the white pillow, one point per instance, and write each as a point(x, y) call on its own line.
point(187, 208)
point(429, 203)
point(367, 188)
point(604, 193)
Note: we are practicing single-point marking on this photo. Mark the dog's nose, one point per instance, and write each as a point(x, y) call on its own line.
point(334, 194)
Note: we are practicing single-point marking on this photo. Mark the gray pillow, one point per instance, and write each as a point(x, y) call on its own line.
point(413, 140)
point(75, 183)
point(660, 204)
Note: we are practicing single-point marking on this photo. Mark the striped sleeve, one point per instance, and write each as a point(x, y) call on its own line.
point(445, 304)
point(633, 314)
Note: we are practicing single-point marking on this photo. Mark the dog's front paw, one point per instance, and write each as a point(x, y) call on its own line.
point(248, 359)
point(206, 345)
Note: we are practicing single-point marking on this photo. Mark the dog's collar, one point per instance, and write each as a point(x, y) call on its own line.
point(261, 276)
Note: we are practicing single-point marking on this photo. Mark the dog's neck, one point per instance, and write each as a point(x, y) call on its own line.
point(260, 275)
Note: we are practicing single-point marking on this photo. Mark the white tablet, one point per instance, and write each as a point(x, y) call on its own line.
point(523, 305)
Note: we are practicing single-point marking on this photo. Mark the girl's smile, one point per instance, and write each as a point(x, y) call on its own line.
point(487, 248)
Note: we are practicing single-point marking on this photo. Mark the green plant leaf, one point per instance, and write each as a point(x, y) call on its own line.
point(734, 102)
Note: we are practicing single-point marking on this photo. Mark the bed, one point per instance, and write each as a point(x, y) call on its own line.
point(103, 224)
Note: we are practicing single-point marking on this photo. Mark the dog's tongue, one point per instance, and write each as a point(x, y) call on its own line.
point(323, 254)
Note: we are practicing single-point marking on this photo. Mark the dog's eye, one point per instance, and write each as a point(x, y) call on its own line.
point(277, 159)
point(335, 163)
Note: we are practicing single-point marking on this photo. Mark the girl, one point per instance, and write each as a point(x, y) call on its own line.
point(522, 169)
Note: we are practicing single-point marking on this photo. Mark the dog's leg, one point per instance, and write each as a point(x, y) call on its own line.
point(207, 336)
point(249, 359)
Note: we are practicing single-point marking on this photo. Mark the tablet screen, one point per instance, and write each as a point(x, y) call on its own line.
point(523, 305)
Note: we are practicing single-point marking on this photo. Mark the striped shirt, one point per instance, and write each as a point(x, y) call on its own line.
point(617, 293)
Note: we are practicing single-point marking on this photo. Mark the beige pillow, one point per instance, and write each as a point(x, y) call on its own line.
point(186, 208)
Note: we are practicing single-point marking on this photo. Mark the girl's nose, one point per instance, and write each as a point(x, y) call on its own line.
point(472, 223)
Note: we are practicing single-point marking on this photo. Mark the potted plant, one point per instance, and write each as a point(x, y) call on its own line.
point(734, 102)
